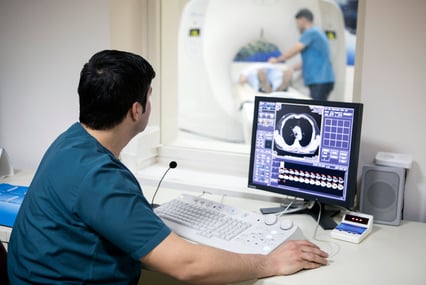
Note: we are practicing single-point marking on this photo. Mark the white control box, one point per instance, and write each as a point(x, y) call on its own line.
point(354, 227)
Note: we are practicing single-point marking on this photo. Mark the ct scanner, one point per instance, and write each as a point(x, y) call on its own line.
point(212, 32)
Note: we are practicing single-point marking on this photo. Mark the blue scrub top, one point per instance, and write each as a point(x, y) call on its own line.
point(84, 218)
point(316, 59)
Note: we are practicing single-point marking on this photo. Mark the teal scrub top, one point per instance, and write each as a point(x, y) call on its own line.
point(84, 219)
point(316, 58)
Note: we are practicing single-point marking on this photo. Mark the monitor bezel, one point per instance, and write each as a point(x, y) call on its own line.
point(354, 151)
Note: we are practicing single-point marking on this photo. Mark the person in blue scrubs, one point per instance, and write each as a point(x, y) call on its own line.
point(316, 65)
point(85, 220)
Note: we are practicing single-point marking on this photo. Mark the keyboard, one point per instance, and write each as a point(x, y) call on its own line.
point(214, 224)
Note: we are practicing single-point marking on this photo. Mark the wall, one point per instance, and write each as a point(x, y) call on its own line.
point(393, 84)
point(135, 27)
point(170, 15)
point(44, 45)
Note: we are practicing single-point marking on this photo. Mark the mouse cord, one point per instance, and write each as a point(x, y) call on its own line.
point(331, 252)
point(318, 220)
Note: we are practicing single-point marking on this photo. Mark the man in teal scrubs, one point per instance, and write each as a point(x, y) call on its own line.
point(313, 45)
point(85, 220)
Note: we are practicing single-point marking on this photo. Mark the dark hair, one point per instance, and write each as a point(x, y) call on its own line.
point(305, 13)
point(109, 85)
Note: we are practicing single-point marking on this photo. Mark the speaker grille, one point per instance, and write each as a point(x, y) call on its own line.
point(381, 193)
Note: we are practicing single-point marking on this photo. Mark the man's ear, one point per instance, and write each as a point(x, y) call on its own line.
point(136, 111)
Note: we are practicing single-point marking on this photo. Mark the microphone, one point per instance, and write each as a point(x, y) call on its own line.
point(172, 164)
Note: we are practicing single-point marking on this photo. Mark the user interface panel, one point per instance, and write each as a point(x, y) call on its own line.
point(302, 147)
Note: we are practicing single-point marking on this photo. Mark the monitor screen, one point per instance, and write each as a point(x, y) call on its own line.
point(307, 149)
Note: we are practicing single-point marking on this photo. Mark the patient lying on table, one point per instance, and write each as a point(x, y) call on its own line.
point(266, 77)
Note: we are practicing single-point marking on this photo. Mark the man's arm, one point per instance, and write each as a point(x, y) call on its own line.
point(296, 49)
point(207, 265)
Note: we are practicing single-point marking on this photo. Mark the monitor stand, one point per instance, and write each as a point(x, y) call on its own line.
point(326, 221)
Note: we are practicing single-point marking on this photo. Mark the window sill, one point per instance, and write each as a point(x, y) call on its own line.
point(202, 171)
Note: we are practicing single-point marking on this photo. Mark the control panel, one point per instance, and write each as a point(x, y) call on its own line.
point(354, 227)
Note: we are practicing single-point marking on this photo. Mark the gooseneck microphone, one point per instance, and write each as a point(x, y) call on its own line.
point(172, 164)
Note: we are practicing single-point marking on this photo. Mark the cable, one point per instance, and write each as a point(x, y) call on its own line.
point(318, 220)
point(329, 242)
point(172, 164)
point(286, 208)
point(294, 210)
point(300, 204)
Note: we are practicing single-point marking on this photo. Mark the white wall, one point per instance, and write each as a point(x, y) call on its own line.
point(43, 46)
point(393, 90)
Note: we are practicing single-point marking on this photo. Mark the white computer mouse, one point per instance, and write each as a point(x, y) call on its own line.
point(270, 219)
point(286, 224)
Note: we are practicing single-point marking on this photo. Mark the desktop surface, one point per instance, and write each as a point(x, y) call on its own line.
point(388, 255)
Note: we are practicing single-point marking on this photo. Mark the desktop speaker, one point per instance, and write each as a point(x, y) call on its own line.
point(382, 193)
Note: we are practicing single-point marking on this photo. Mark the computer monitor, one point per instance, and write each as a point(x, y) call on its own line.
point(306, 149)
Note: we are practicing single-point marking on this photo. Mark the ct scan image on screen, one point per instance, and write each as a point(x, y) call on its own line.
point(297, 130)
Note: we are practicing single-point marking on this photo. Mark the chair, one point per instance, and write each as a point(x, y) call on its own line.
point(3, 265)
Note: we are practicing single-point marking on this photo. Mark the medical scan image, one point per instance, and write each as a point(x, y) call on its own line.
point(297, 131)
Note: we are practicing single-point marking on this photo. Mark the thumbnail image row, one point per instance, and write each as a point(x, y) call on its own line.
point(312, 178)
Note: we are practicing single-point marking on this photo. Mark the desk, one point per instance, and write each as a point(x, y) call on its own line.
point(389, 255)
